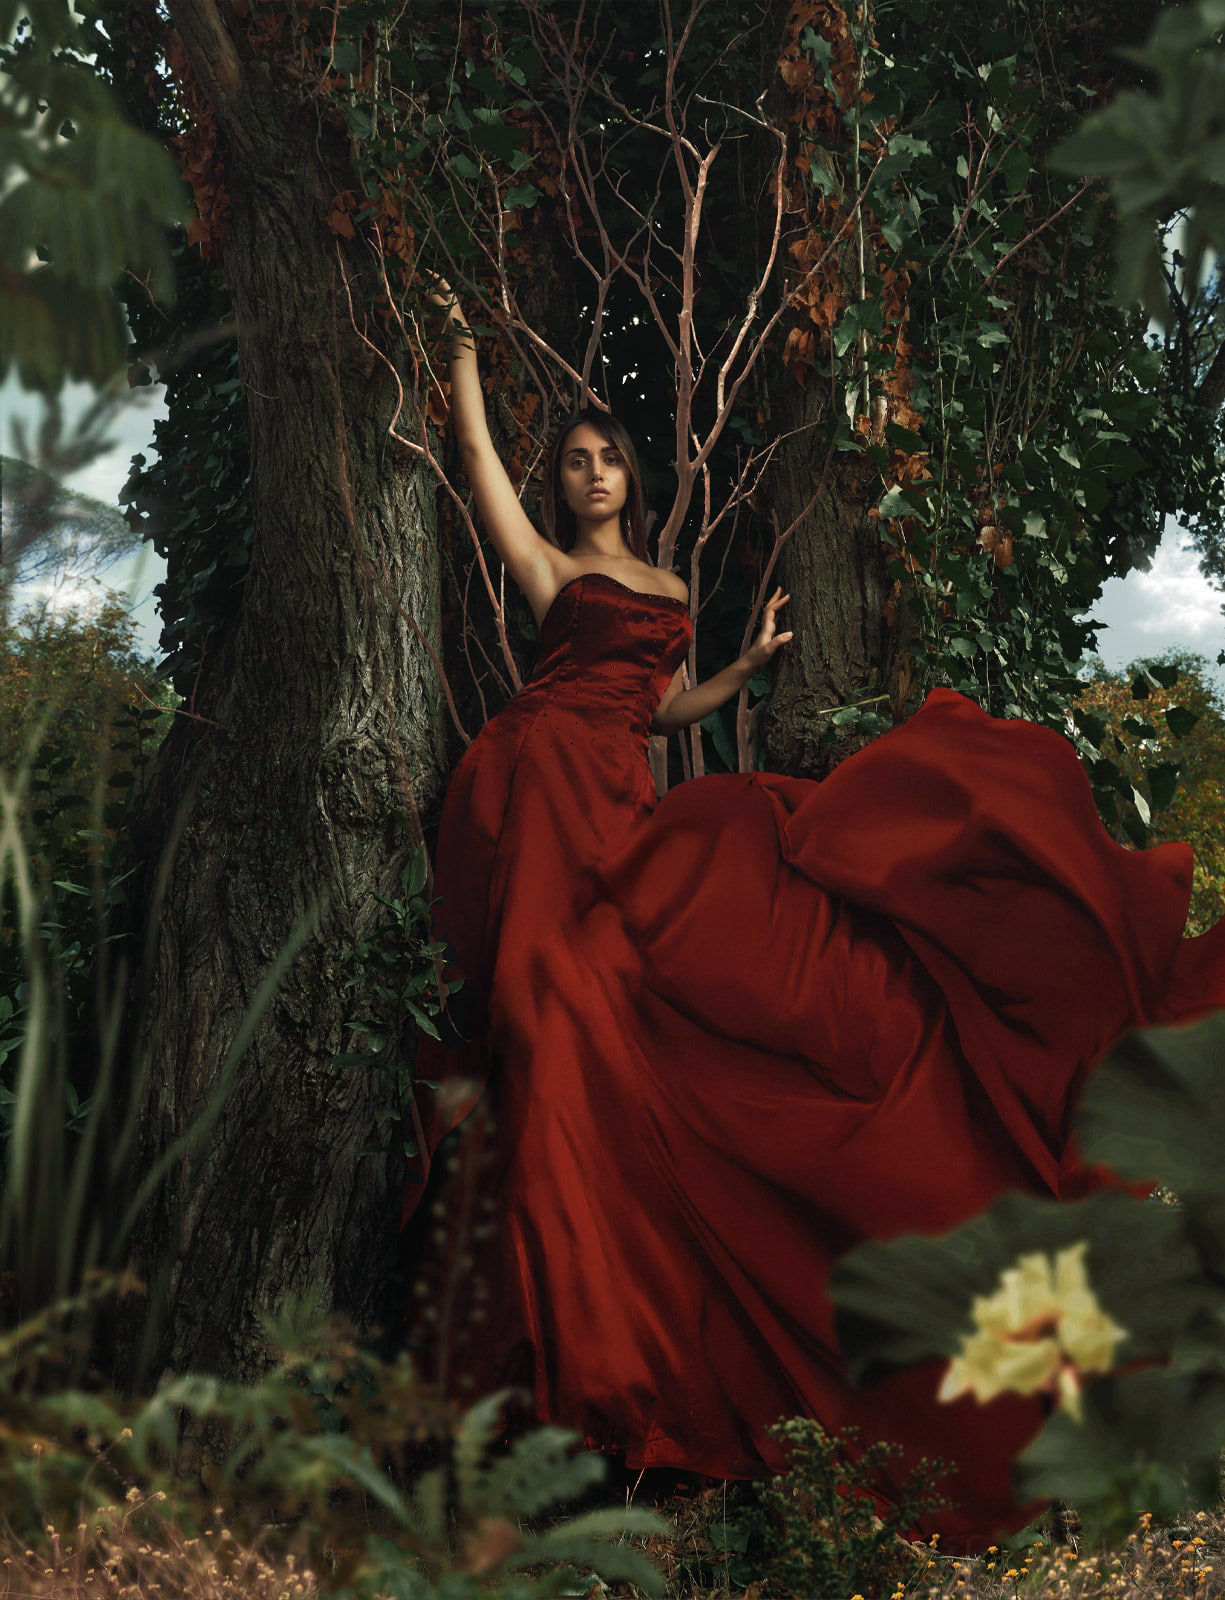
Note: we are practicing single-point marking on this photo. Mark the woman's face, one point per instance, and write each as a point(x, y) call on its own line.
point(594, 477)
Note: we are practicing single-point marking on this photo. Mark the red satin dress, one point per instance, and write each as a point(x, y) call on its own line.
point(729, 1034)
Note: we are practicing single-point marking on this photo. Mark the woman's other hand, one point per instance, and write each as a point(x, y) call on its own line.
point(768, 641)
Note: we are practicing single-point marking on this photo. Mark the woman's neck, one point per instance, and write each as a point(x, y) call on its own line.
point(601, 545)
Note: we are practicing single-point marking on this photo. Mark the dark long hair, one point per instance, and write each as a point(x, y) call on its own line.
point(556, 516)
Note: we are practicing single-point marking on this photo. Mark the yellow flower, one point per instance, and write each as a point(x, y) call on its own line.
point(1039, 1331)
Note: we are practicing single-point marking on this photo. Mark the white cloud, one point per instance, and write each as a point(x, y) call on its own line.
point(1172, 606)
point(1176, 598)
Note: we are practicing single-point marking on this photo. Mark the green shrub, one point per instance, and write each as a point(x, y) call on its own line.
point(335, 1457)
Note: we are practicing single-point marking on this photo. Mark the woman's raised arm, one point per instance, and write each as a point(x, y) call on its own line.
point(534, 564)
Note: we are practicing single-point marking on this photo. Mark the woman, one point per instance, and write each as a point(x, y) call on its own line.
point(727, 1035)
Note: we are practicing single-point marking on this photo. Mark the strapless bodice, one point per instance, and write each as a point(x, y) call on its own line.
point(607, 652)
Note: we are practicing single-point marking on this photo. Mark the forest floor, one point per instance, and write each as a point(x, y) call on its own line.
point(1183, 1560)
point(702, 1559)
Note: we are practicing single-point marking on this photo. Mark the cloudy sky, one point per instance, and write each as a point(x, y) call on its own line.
point(1144, 613)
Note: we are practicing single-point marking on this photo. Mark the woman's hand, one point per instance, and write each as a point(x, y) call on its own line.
point(442, 297)
point(767, 641)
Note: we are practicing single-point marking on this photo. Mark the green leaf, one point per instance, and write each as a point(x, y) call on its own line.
point(904, 439)
point(1154, 1110)
point(860, 317)
point(541, 1470)
point(523, 195)
point(1162, 782)
point(358, 119)
point(905, 502)
point(1180, 721)
point(714, 725)
point(464, 167)
point(1148, 1441)
point(416, 874)
point(345, 58)
point(422, 1021)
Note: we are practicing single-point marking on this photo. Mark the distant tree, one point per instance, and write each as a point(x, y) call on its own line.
point(81, 712)
point(1164, 728)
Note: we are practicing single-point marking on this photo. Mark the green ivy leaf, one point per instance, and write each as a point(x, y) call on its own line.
point(1180, 721)
point(358, 119)
point(1162, 782)
point(522, 195)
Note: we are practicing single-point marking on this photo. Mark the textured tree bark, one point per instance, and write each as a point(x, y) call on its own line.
point(833, 568)
point(291, 797)
point(832, 565)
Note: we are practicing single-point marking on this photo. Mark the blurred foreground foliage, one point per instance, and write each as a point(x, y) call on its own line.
point(86, 198)
point(338, 1469)
point(1112, 1306)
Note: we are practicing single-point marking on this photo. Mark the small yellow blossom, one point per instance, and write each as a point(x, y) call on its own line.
point(1039, 1331)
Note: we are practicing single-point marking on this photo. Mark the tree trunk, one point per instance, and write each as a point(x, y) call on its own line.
point(290, 796)
point(833, 568)
point(832, 564)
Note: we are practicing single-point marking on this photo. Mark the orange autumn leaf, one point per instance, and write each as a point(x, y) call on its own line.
point(798, 347)
point(438, 405)
point(796, 75)
point(996, 543)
